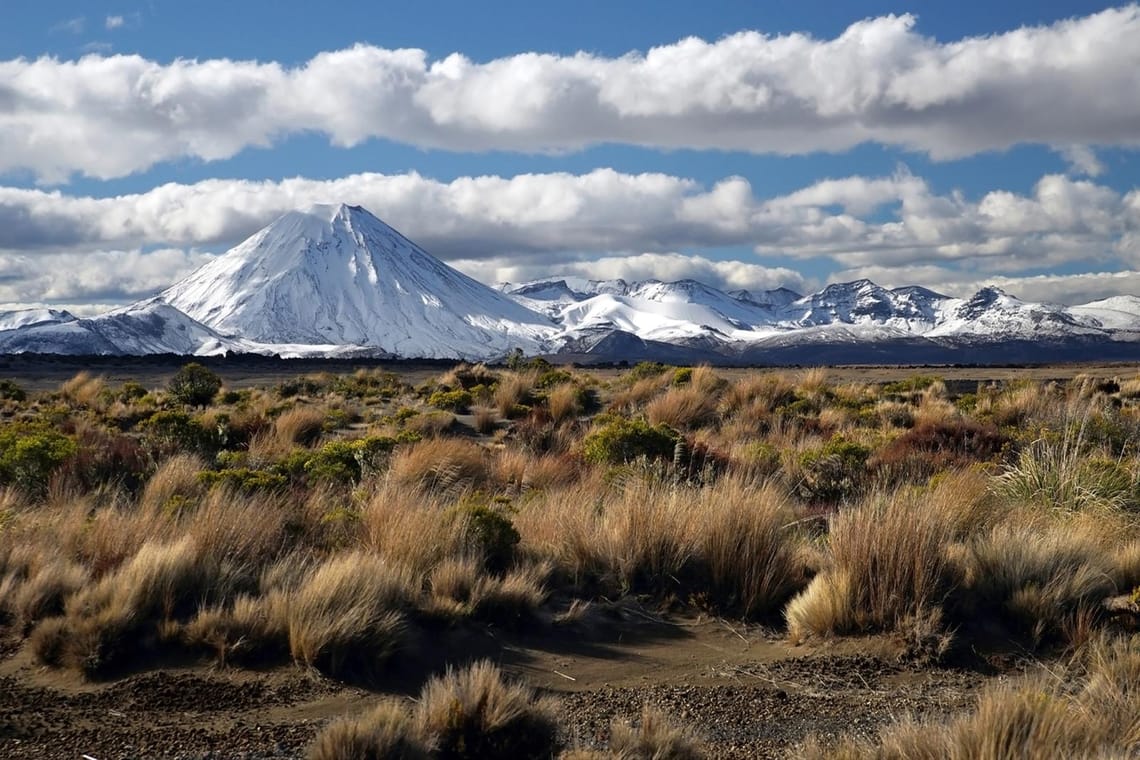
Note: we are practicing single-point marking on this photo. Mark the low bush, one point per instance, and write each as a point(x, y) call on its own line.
point(488, 526)
point(194, 385)
point(619, 440)
point(29, 455)
point(834, 472)
point(457, 401)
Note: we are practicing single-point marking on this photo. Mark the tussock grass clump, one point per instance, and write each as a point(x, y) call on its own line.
point(43, 592)
point(477, 713)
point(174, 484)
point(683, 408)
point(515, 389)
point(441, 465)
point(386, 732)
point(347, 617)
point(1056, 472)
point(888, 563)
point(655, 735)
point(564, 402)
point(299, 426)
point(253, 630)
point(460, 587)
point(754, 562)
point(1090, 709)
point(1038, 581)
point(125, 613)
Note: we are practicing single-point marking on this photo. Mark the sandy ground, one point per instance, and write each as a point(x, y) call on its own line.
point(749, 693)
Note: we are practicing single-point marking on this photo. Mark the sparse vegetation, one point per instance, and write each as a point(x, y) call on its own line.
point(333, 522)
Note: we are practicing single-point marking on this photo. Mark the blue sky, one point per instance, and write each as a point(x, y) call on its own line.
point(974, 142)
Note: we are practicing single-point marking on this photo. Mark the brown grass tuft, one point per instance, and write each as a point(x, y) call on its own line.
point(655, 736)
point(476, 713)
point(564, 402)
point(299, 426)
point(441, 465)
point(888, 563)
point(683, 408)
point(346, 618)
point(386, 732)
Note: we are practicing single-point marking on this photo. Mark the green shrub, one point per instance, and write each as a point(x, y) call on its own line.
point(833, 472)
point(347, 461)
point(194, 385)
point(912, 384)
point(455, 401)
point(299, 386)
point(491, 529)
point(643, 370)
point(130, 391)
point(244, 479)
point(170, 432)
point(29, 455)
point(364, 383)
point(552, 377)
point(682, 376)
point(12, 392)
point(619, 440)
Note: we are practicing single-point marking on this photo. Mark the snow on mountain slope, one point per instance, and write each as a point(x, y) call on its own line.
point(769, 298)
point(335, 274)
point(1116, 313)
point(334, 280)
point(993, 314)
point(148, 327)
point(649, 320)
point(10, 320)
point(862, 303)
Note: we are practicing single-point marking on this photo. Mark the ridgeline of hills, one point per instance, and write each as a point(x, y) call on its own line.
point(334, 280)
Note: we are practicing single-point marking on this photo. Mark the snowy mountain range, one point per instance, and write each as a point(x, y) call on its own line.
point(333, 280)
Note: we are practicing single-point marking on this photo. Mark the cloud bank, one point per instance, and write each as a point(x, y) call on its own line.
point(604, 223)
point(1071, 84)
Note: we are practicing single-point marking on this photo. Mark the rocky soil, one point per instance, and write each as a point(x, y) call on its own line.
point(746, 691)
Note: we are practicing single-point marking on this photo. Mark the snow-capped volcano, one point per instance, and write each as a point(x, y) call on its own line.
point(337, 275)
point(333, 280)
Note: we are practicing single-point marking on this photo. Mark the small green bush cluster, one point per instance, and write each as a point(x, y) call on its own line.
point(833, 472)
point(619, 440)
point(244, 479)
point(194, 385)
point(457, 401)
point(29, 455)
point(343, 461)
point(913, 384)
point(491, 529)
point(10, 391)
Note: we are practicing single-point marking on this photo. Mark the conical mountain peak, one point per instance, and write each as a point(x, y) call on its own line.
point(334, 274)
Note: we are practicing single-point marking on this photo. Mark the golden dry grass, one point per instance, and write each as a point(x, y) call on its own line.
point(683, 408)
point(385, 732)
point(478, 713)
point(888, 562)
point(347, 617)
point(563, 402)
point(441, 465)
point(655, 735)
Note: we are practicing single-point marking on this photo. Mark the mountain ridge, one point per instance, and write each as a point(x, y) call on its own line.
point(334, 280)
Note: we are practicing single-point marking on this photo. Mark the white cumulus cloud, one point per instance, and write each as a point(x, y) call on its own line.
point(1071, 83)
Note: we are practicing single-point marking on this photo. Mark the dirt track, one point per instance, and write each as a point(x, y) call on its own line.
point(750, 694)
